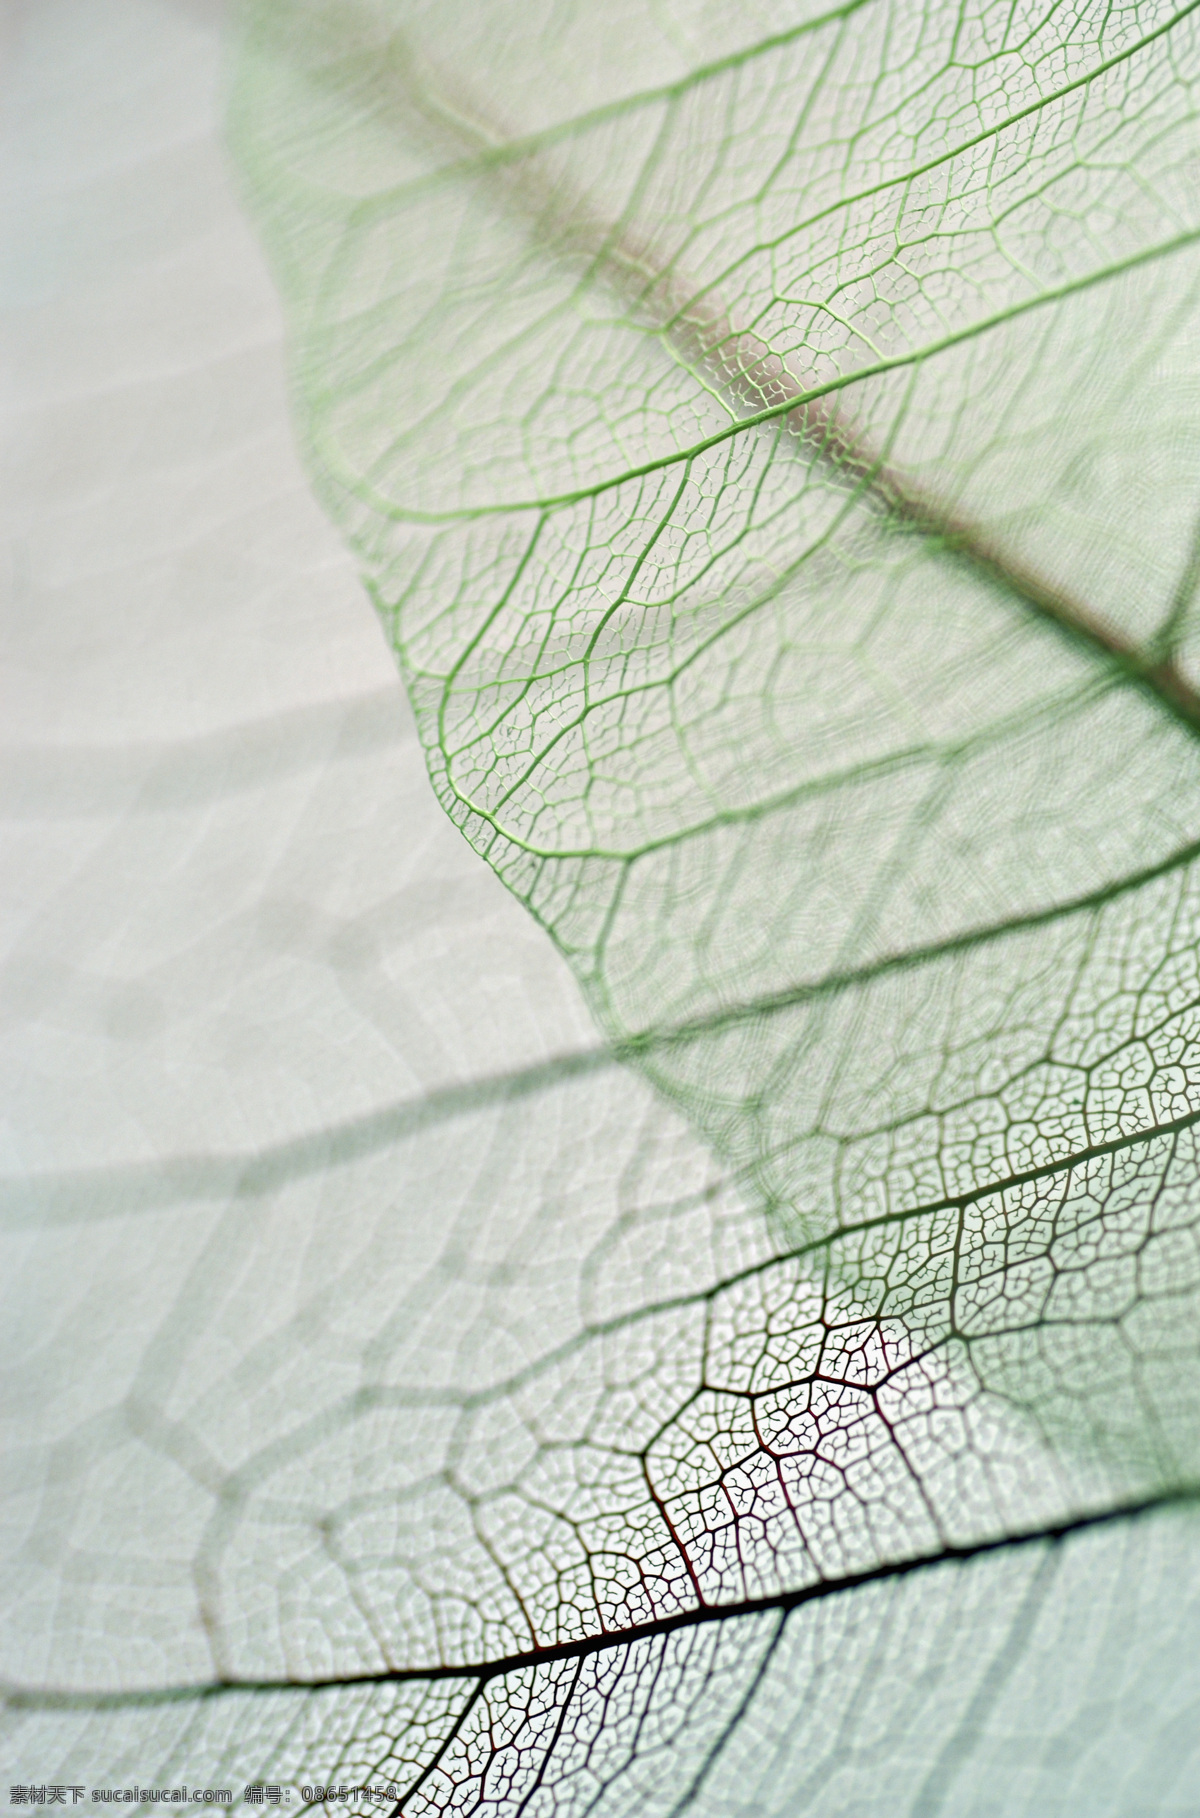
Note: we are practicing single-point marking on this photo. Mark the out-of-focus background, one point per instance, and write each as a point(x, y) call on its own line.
point(236, 922)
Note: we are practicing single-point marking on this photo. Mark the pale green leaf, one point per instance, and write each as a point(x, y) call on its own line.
point(770, 446)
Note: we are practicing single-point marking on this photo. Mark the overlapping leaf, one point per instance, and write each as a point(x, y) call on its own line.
point(776, 474)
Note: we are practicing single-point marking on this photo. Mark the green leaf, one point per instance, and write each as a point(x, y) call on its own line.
point(773, 462)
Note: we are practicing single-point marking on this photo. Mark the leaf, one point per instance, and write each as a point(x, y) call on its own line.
point(772, 461)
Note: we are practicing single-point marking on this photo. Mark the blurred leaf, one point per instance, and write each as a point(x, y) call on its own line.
point(774, 465)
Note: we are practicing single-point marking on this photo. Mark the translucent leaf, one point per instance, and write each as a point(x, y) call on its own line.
point(770, 446)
